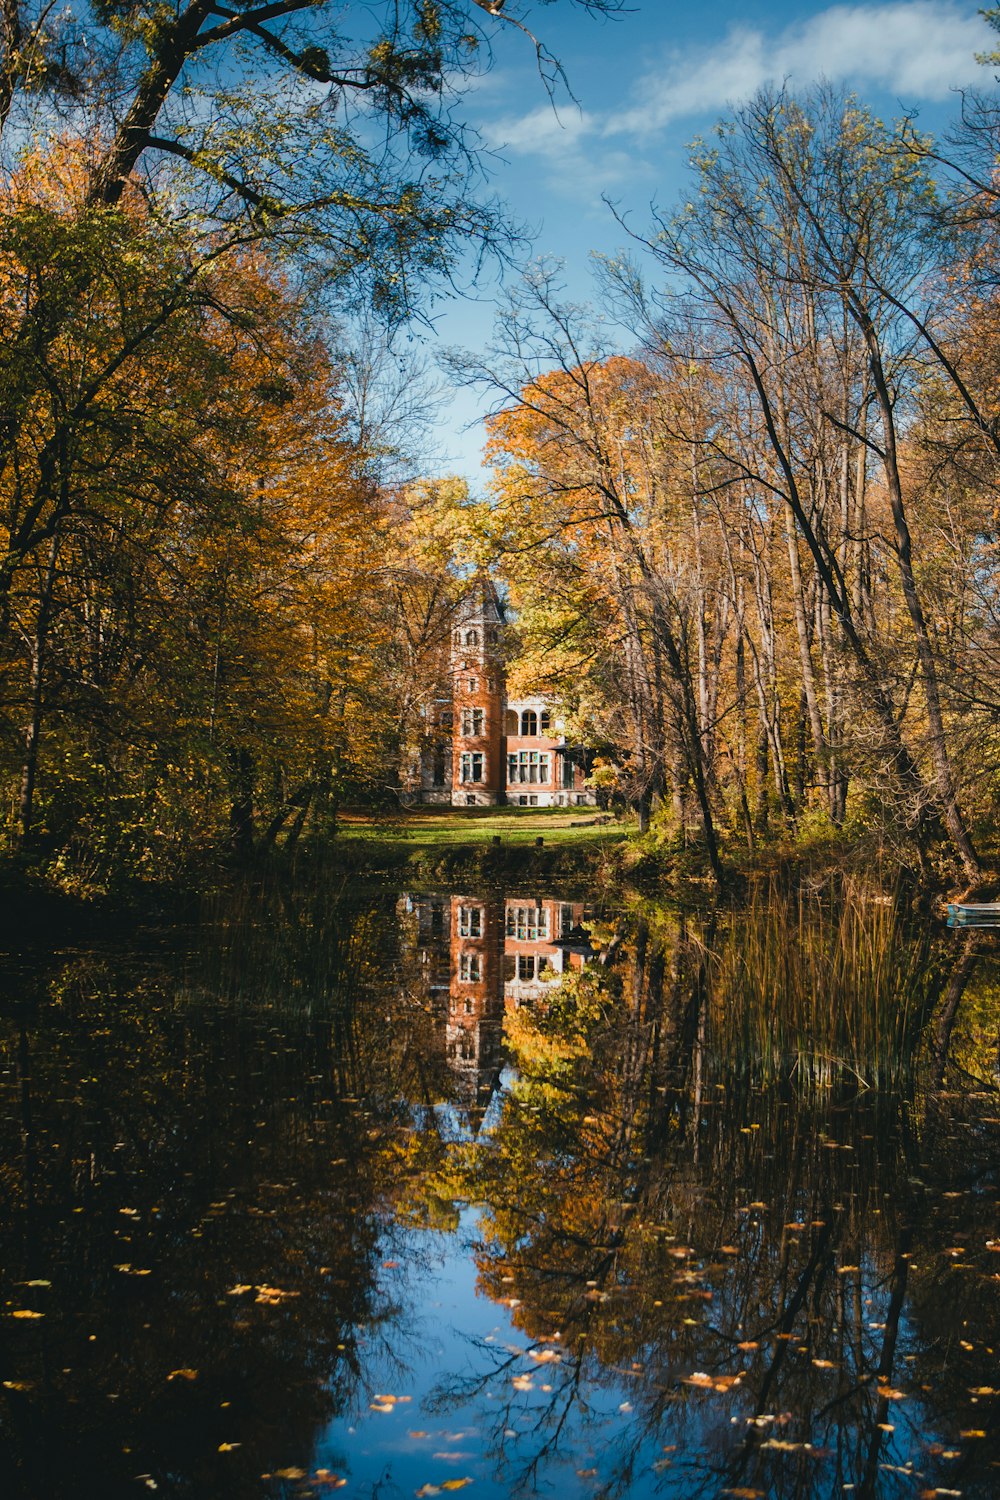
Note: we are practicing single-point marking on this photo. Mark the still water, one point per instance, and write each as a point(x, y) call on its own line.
point(404, 1194)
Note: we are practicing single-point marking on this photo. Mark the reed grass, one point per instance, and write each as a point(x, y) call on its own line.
point(819, 990)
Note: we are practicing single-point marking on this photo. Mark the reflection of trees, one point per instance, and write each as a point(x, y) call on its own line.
point(656, 1205)
point(167, 1143)
point(652, 1209)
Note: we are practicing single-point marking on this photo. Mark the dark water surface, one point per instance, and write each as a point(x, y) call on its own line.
point(409, 1194)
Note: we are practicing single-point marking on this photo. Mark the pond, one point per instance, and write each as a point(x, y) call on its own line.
point(406, 1193)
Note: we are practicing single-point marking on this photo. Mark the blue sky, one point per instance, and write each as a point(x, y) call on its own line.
point(648, 82)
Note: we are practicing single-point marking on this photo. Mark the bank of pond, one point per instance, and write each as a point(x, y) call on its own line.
point(403, 1191)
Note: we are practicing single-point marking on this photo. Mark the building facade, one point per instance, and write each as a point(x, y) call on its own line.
point(481, 749)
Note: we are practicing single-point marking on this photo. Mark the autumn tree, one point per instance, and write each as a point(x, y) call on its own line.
point(803, 249)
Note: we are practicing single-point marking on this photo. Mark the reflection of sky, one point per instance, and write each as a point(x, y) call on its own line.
point(453, 1339)
point(450, 1359)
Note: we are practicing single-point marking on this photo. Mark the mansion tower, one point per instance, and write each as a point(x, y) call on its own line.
point(482, 749)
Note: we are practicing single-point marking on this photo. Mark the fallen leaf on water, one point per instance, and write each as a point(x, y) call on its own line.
point(382, 1406)
point(417, 1434)
point(544, 1356)
point(270, 1295)
point(983, 1390)
point(228, 1447)
point(183, 1375)
point(38, 1281)
point(728, 1250)
point(326, 1479)
point(748, 1344)
point(523, 1383)
point(289, 1473)
point(26, 1312)
point(455, 1484)
point(712, 1382)
point(825, 1364)
point(19, 1385)
point(240, 1290)
point(744, 1492)
point(847, 1270)
point(428, 1489)
point(972, 1432)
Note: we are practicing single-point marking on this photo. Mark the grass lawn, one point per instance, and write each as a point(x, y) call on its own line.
point(431, 827)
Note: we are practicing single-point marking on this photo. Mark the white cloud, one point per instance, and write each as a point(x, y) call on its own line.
point(915, 49)
point(542, 132)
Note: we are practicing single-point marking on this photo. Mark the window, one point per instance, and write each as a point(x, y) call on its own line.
point(472, 637)
point(473, 723)
point(545, 722)
point(528, 924)
point(509, 968)
point(568, 770)
point(529, 722)
point(470, 921)
point(469, 968)
point(439, 767)
point(566, 919)
point(468, 1007)
point(528, 766)
point(473, 685)
point(525, 966)
point(471, 766)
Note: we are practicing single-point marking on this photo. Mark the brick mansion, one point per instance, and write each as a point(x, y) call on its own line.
point(481, 748)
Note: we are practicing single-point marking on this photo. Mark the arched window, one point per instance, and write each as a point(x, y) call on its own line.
point(472, 637)
point(529, 722)
point(545, 723)
point(510, 722)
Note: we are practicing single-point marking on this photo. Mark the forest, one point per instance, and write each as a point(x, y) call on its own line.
point(744, 507)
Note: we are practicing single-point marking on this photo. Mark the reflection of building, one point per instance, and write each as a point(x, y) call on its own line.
point(479, 748)
point(542, 941)
point(475, 1002)
point(478, 954)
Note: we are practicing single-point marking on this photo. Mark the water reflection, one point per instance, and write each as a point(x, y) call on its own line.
point(482, 956)
point(383, 1193)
